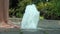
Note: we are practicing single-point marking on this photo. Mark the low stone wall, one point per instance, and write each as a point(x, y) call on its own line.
point(42, 23)
point(44, 27)
point(9, 31)
point(49, 24)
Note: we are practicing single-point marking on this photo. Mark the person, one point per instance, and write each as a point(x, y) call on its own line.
point(4, 15)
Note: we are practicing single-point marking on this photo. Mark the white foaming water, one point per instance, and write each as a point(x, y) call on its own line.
point(30, 18)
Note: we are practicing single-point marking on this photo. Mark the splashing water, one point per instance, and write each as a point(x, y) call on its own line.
point(30, 18)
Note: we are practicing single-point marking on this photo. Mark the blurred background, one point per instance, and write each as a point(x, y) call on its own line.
point(49, 9)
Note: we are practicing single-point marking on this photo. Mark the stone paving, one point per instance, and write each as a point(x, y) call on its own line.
point(44, 27)
point(52, 24)
point(9, 31)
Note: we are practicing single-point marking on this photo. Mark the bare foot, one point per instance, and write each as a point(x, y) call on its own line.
point(4, 25)
point(9, 25)
point(13, 25)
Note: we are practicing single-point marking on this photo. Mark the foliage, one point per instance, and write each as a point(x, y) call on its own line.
point(20, 9)
point(50, 9)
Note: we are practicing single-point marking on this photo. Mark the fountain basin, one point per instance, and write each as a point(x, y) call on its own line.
point(45, 27)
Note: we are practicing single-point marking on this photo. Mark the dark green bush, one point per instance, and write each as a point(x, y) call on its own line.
point(50, 9)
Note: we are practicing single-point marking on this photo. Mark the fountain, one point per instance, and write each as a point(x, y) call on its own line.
point(30, 21)
point(30, 18)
